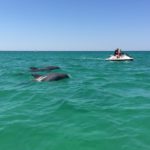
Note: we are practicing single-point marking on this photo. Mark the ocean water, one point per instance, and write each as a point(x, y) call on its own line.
point(102, 106)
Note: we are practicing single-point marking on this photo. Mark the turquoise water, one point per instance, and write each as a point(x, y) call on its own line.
point(103, 106)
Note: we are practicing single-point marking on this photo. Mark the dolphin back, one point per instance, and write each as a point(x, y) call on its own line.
point(56, 76)
point(49, 68)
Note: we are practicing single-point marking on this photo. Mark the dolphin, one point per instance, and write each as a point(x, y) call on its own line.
point(50, 77)
point(34, 69)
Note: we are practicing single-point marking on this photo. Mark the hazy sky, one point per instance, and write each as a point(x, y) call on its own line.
point(74, 24)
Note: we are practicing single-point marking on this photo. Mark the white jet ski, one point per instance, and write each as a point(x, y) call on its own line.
point(123, 57)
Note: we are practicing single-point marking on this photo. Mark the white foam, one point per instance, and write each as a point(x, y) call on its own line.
point(39, 79)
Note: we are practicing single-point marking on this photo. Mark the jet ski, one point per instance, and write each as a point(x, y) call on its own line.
point(123, 57)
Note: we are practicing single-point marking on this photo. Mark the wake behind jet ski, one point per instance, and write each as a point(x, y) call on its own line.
point(119, 56)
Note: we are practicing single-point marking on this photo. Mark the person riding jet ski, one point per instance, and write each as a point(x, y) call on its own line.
point(118, 53)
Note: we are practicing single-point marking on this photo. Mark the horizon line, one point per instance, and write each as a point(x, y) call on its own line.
point(36, 50)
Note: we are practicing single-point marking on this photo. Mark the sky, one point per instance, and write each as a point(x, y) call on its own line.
point(74, 24)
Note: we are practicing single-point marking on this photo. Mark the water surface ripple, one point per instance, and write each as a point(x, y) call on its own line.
point(104, 105)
